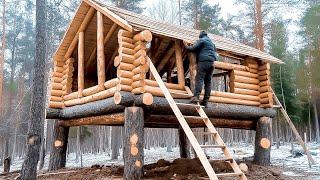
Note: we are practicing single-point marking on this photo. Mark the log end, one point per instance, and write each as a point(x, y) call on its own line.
point(147, 99)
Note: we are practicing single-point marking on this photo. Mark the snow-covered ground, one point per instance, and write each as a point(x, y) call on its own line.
point(297, 166)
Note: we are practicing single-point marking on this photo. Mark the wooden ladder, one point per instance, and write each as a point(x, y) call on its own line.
point(293, 128)
point(194, 142)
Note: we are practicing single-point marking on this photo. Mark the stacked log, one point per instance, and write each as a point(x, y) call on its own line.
point(61, 82)
point(110, 89)
point(265, 86)
point(141, 66)
point(232, 98)
point(244, 85)
point(125, 60)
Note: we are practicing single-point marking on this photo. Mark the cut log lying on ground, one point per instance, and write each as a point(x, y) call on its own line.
point(229, 66)
point(160, 106)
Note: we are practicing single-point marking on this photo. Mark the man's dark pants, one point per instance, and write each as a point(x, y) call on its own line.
point(204, 76)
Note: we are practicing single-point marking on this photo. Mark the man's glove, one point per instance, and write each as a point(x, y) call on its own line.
point(187, 42)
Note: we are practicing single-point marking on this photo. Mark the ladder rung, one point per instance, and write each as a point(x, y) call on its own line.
point(223, 159)
point(212, 146)
point(229, 174)
point(195, 117)
point(205, 133)
point(276, 106)
point(192, 105)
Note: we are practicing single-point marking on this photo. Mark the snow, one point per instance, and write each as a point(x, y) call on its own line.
point(294, 166)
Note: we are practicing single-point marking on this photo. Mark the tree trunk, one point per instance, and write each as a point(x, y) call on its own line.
point(115, 142)
point(59, 149)
point(34, 137)
point(316, 121)
point(183, 144)
point(2, 58)
point(262, 142)
point(133, 143)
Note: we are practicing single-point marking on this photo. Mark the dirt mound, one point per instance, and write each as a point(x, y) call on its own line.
point(178, 169)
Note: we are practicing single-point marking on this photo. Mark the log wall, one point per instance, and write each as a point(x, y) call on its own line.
point(249, 84)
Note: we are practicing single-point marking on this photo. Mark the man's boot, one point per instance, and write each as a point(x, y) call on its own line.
point(194, 100)
point(205, 102)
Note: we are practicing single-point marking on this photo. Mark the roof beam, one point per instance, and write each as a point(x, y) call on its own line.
point(115, 18)
point(82, 28)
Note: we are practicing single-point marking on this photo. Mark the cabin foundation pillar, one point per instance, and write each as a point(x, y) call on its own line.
point(133, 141)
point(59, 151)
point(183, 144)
point(263, 142)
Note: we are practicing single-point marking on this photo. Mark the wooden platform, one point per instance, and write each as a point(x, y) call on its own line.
point(159, 114)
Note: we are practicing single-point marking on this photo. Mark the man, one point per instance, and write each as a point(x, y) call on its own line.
point(206, 55)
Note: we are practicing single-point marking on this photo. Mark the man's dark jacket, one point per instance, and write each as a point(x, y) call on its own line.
point(204, 48)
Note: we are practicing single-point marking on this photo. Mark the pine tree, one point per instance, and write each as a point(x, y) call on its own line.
point(311, 32)
point(131, 5)
point(35, 131)
point(202, 15)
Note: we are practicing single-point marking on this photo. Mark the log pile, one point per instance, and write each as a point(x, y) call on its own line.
point(266, 98)
point(61, 82)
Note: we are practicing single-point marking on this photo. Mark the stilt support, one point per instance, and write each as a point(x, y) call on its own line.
point(133, 154)
point(263, 142)
point(59, 150)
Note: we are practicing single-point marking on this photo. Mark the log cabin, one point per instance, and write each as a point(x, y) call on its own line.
point(117, 68)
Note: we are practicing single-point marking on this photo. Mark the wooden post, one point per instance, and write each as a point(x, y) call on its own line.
point(81, 64)
point(263, 142)
point(193, 70)
point(183, 144)
point(100, 51)
point(59, 151)
point(133, 143)
point(179, 62)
